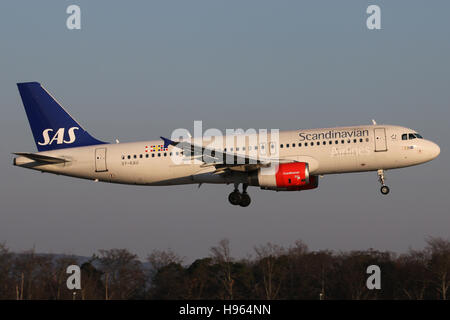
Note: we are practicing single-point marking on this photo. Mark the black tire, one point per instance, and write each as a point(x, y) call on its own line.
point(245, 200)
point(384, 190)
point(235, 198)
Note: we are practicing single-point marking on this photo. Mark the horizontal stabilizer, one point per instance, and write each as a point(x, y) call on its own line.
point(41, 158)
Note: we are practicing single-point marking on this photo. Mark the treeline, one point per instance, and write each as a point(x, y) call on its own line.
point(274, 272)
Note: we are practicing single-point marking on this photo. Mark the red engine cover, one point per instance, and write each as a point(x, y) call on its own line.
point(285, 177)
point(292, 175)
point(313, 183)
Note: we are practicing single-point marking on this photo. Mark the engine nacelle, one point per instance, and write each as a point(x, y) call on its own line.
point(285, 177)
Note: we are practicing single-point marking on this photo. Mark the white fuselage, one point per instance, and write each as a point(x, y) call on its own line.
point(327, 151)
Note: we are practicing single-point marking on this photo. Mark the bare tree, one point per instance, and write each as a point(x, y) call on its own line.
point(33, 275)
point(268, 256)
point(439, 251)
point(92, 286)
point(124, 276)
point(222, 257)
point(162, 258)
point(299, 249)
point(7, 289)
point(350, 275)
point(413, 276)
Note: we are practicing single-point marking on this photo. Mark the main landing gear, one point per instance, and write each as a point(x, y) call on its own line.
point(384, 188)
point(238, 198)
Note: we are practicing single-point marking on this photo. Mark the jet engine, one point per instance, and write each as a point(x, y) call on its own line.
point(292, 176)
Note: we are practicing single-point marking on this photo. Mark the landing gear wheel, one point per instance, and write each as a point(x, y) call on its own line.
point(235, 198)
point(384, 190)
point(245, 200)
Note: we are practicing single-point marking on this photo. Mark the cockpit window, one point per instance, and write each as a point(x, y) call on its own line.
point(410, 136)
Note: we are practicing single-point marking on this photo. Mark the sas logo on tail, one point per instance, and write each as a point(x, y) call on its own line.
point(58, 136)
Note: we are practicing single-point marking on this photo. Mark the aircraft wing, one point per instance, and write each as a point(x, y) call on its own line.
point(41, 158)
point(221, 160)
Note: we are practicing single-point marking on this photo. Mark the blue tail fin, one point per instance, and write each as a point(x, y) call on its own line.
point(53, 128)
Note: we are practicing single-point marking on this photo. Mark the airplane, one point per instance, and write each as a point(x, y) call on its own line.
point(289, 161)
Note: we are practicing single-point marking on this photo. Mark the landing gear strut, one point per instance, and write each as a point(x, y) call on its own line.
point(238, 198)
point(384, 188)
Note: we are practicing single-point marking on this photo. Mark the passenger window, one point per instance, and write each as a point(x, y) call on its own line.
point(237, 148)
point(306, 144)
point(281, 146)
point(123, 157)
point(312, 143)
point(342, 141)
point(165, 154)
point(140, 156)
point(336, 142)
point(293, 145)
point(299, 144)
point(146, 155)
point(153, 155)
point(159, 154)
point(324, 143)
point(287, 145)
point(360, 140)
point(330, 142)
point(135, 156)
point(354, 140)
point(367, 139)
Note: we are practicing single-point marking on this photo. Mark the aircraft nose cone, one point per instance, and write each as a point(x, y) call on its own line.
point(434, 150)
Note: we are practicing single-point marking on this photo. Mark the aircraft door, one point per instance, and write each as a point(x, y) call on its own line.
point(380, 139)
point(100, 160)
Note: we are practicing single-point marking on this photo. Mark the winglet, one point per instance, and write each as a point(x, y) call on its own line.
point(168, 142)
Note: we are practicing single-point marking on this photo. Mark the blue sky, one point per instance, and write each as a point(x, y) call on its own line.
point(139, 69)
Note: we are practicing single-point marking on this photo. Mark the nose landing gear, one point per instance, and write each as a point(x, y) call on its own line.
point(238, 198)
point(384, 188)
